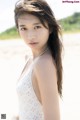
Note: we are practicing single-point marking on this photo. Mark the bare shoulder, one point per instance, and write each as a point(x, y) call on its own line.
point(45, 64)
point(46, 75)
point(45, 70)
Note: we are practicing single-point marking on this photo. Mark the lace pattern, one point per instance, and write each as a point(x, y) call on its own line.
point(29, 106)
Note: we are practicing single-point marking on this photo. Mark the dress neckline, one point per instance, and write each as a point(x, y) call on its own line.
point(32, 62)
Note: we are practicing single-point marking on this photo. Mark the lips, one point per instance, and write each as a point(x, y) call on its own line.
point(33, 43)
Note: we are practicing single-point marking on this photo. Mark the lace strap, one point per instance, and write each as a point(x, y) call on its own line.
point(25, 65)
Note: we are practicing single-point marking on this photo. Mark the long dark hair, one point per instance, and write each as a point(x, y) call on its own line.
point(41, 9)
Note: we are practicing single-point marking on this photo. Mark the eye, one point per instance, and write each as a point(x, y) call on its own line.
point(37, 27)
point(23, 29)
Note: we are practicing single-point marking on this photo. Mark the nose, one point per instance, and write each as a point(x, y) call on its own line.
point(30, 35)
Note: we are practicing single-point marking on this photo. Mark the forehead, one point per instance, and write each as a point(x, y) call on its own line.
point(28, 18)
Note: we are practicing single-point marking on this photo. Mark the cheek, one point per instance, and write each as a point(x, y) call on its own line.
point(45, 35)
point(22, 34)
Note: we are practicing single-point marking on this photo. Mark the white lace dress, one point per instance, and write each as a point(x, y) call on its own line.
point(29, 106)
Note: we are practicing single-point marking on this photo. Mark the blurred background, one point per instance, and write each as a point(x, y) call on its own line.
point(13, 53)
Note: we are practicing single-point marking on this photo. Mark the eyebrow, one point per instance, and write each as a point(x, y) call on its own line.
point(33, 24)
point(36, 23)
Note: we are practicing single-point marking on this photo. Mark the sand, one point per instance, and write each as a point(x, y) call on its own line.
point(12, 60)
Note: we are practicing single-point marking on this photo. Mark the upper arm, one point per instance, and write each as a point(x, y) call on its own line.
point(47, 81)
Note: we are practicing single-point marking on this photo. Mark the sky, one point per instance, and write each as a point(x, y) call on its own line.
point(60, 9)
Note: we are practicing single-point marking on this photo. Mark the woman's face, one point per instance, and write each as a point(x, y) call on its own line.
point(32, 31)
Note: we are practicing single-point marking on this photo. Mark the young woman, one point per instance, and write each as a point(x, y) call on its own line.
point(40, 83)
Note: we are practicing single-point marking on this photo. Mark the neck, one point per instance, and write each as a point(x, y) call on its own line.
point(41, 53)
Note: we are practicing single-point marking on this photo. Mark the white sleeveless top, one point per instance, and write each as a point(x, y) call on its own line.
point(29, 106)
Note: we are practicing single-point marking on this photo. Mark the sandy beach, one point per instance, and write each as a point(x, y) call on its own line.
point(12, 61)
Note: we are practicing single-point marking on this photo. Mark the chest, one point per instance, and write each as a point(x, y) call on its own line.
point(28, 82)
point(36, 87)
